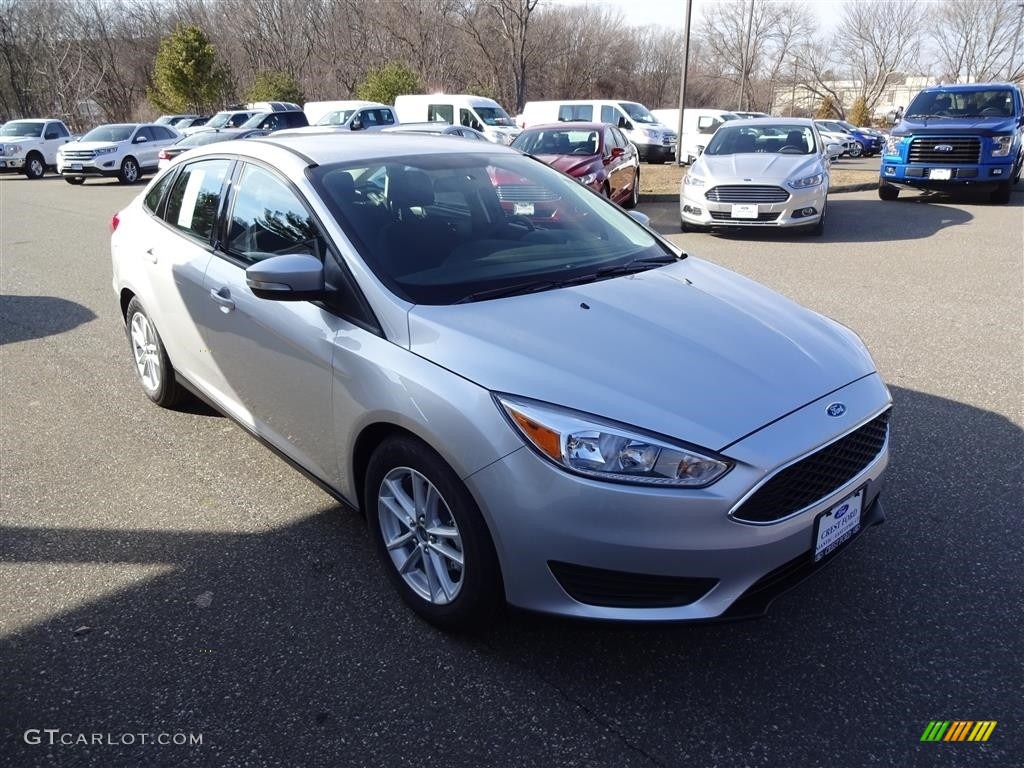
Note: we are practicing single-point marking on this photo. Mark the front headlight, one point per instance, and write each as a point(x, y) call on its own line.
point(588, 179)
point(806, 181)
point(693, 181)
point(104, 151)
point(654, 135)
point(1001, 145)
point(892, 144)
point(14, 149)
point(608, 451)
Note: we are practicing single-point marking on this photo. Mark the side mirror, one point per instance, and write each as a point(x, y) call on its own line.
point(292, 277)
point(51, 135)
point(356, 124)
point(640, 218)
point(140, 140)
point(625, 124)
point(617, 152)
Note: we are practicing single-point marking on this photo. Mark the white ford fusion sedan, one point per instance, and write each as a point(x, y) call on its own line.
point(758, 173)
point(532, 398)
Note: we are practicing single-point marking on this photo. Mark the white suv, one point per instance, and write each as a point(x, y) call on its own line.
point(127, 151)
point(30, 146)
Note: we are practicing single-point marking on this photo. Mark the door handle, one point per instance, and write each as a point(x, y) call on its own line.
point(222, 297)
point(151, 255)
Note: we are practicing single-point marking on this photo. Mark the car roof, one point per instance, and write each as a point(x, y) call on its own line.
point(575, 125)
point(768, 122)
point(301, 150)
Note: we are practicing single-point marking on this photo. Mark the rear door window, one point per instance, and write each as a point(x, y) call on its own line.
point(608, 115)
point(571, 112)
point(194, 200)
point(445, 112)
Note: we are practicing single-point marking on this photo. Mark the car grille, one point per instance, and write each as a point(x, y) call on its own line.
point(816, 476)
point(964, 150)
point(668, 140)
point(524, 193)
point(747, 193)
point(762, 218)
point(78, 154)
point(618, 589)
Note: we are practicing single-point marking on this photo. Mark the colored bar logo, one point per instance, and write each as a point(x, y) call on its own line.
point(958, 730)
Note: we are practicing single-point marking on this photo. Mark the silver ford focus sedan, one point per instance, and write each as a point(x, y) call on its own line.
point(531, 396)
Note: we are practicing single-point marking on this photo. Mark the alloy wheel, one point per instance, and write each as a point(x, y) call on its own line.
point(147, 356)
point(421, 535)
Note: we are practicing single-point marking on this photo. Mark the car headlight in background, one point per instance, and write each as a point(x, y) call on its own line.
point(693, 181)
point(806, 181)
point(606, 451)
point(1001, 145)
point(588, 179)
point(892, 144)
point(653, 135)
point(14, 149)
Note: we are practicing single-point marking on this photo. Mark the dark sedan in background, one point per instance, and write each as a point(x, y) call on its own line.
point(211, 136)
point(597, 155)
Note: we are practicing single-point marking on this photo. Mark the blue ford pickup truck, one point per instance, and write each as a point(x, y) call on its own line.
point(952, 136)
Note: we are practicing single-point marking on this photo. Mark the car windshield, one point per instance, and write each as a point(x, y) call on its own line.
point(252, 122)
point(638, 112)
point(557, 141)
point(983, 102)
point(781, 138)
point(494, 115)
point(451, 227)
point(22, 128)
point(203, 137)
point(110, 133)
point(337, 117)
point(219, 120)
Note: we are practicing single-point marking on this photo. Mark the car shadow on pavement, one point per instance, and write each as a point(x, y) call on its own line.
point(283, 645)
point(34, 317)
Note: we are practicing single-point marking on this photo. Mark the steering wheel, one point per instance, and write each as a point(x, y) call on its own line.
point(991, 111)
point(520, 221)
point(791, 149)
point(582, 151)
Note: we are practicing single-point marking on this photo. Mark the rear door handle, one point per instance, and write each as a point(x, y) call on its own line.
point(222, 297)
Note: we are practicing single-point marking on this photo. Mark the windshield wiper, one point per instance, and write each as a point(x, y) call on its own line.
point(532, 286)
point(636, 265)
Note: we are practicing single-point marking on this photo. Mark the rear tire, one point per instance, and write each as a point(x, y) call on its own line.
point(887, 191)
point(1000, 195)
point(634, 198)
point(35, 166)
point(857, 149)
point(460, 597)
point(153, 366)
point(76, 180)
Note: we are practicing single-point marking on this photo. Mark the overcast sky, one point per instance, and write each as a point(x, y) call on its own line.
point(669, 13)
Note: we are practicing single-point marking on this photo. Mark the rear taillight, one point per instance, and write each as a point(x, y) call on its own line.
point(162, 155)
point(114, 221)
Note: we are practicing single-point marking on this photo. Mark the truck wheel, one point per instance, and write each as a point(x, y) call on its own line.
point(34, 166)
point(129, 171)
point(1000, 195)
point(888, 191)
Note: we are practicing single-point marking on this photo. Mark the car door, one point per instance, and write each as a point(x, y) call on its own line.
point(175, 250)
point(54, 136)
point(273, 359)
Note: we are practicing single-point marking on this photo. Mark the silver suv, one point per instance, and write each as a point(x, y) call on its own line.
point(530, 395)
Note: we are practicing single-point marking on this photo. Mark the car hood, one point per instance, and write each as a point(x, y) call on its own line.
point(756, 166)
point(689, 350)
point(986, 126)
point(87, 145)
point(574, 166)
point(18, 139)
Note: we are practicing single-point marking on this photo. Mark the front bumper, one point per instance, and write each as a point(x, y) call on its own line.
point(12, 164)
point(89, 168)
point(657, 152)
point(922, 176)
point(695, 209)
point(545, 521)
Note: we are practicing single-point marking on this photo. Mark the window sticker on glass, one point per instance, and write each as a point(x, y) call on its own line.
point(188, 200)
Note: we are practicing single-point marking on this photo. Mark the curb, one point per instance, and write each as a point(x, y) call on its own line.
point(839, 189)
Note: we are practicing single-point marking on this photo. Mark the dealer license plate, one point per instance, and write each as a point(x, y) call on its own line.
point(75, 166)
point(522, 209)
point(744, 211)
point(940, 173)
point(835, 526)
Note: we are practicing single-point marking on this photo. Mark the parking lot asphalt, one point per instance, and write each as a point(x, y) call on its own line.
point(161, 572)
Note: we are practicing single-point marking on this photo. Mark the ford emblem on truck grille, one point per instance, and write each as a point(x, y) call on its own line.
point(943, 147)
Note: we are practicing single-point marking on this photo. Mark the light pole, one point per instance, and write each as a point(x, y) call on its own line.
point(682, 81)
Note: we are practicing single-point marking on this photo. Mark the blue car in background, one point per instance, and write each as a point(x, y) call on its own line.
point(869, 143)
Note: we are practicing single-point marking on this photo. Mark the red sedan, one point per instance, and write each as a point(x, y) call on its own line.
point(595, 154)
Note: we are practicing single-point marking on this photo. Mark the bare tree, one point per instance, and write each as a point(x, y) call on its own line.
point(974, 41)
point(501, 30)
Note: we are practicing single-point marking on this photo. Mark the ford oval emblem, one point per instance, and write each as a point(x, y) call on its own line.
point(836, 409)
point(841, 511)
point(943, 148)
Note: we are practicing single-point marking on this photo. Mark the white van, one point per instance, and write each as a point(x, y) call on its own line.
point(482, 114)
point(349, 115)
point(699, 125)
point(655, 141)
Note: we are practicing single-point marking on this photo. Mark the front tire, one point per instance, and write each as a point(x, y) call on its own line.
point(887, 191)
point(35, 167)
point(153, 366)
point(1000, 195)
point(431, 537)
point(130, 172)
point(857, 149)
